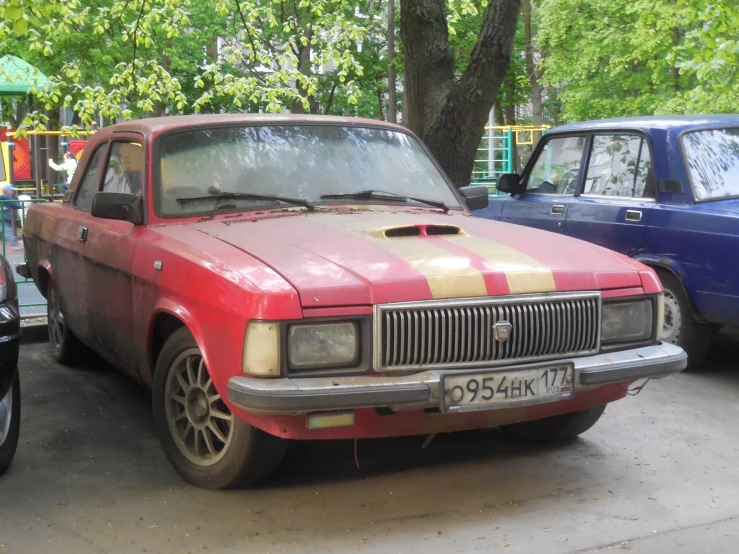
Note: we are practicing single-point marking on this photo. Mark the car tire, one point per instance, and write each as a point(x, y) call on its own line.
point(554, 428)
point(681, 326)
point(10, 424)
point(65, 346)
point(207, 445)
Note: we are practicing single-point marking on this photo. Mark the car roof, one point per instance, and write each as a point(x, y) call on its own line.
point(156, 125)
point(676, 123)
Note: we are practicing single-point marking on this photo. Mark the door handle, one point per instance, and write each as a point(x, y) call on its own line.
point(633, 215)
point(558, 209)
point(82, 234)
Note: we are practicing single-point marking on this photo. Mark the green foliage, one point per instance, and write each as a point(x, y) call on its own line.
point(709, 53)
point(133, 58)
point(609, 58)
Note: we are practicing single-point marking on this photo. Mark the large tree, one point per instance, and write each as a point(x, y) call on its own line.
point(447, 109)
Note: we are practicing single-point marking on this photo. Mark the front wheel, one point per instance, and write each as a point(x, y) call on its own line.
point(207, 445)
point(681, 326)
point(10, 424)
point(554, 428)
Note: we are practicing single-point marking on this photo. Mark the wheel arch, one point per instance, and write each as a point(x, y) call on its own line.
point(660, 264)
point(167, 319)
point(44, 276)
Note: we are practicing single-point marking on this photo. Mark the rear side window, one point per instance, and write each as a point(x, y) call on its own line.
point(88, 186)
point(619, 165)
point(713, 162)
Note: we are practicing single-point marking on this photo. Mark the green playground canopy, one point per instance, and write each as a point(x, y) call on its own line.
point(17, 77)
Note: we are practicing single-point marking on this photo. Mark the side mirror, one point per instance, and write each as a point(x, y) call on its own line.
point(510, 183)
point(475, 197)
point(118, 205)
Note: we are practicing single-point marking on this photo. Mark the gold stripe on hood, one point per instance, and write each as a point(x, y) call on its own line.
point(448, 275)
point(523, 273)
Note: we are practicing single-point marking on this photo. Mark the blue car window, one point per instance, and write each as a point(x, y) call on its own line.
point(619, 165)
point(557, 167)
point(713, 162)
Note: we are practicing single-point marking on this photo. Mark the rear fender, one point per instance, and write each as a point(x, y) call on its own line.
point(44, 266)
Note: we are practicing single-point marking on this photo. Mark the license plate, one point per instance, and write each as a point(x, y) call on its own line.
point(469, 392)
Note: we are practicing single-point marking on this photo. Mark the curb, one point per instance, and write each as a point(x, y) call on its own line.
point(34, 333)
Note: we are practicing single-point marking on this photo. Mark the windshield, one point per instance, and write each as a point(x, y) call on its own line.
point(713, 162)
point(296, 161)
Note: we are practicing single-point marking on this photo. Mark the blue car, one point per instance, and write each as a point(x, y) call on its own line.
point(663, 190)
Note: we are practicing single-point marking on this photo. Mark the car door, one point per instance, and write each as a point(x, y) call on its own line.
point(617, 194)
point(110, 248)
point(551, 181)
point(69, 249)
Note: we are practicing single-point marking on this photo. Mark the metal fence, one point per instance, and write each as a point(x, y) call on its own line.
point(497, 153)
point(12, 217)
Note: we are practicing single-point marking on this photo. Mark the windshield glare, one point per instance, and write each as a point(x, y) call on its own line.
point(298, 161)
point(713, 162)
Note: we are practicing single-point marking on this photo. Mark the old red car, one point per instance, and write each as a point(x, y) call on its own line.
point(285, 277)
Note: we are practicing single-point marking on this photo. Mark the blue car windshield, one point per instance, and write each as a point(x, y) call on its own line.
point(294, 161)
point(713, 162)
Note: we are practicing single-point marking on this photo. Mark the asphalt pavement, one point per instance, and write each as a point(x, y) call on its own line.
point(659, 473)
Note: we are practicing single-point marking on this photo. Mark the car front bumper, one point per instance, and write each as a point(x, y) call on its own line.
point(422, 390)
point(10, 332)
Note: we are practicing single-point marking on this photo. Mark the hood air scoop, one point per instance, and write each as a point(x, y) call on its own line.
point(420, 231)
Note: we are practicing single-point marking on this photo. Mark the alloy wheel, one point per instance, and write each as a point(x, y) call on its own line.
point(199, 421)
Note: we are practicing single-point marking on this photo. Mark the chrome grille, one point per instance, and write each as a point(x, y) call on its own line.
point(459, 333)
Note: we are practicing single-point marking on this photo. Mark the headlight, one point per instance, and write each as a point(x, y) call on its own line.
point(323, 345)
point(630, 321)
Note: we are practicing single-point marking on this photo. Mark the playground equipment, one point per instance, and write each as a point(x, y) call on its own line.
point(496, 154)
point(34, 152)
point(31, 157)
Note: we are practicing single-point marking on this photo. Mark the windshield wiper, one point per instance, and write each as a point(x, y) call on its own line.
point(374, 193)
point(248, 196)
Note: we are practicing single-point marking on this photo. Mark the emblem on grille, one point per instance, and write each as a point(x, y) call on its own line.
point(502, 331)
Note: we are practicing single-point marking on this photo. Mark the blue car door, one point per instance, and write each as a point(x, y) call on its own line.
point(617, 195)
point(551, 181)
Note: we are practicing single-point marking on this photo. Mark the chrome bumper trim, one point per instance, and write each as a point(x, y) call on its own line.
point(421, 390)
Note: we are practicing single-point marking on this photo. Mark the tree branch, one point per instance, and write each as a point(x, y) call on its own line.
point(135, 32)
point(330, 99)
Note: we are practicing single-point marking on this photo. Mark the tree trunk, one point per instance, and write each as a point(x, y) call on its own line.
point(676, 70)
point(392, 115)
point(304, 66)
point(159, 108)
point(450, 115)
point(380, 103)
point(509, 95)
point(536, 88)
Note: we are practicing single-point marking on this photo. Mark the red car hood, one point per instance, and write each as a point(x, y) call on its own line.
point(373, 256)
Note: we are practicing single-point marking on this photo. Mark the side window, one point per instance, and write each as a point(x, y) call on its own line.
point(89, 183)
point(125, 168)
point(619, 166)
point(557, 167)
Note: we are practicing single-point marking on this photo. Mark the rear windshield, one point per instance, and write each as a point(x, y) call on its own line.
point(713, 162)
